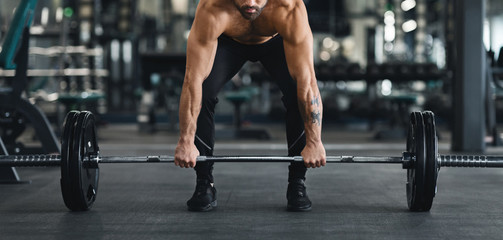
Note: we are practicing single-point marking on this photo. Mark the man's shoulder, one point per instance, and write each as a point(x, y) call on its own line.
point(212, 10)
point(283, 10)
point(290, 19)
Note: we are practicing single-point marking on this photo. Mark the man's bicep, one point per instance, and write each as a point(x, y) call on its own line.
point(200, 56)
point(299, 58)
point(202, 43)
point(298, 40)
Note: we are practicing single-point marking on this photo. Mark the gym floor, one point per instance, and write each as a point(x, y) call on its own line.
point(350, 201)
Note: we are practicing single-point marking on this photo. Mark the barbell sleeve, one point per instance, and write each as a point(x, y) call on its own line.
point(480, 161)
point(39, 160)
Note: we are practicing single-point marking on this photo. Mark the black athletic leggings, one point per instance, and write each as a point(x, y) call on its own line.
point(229, 59)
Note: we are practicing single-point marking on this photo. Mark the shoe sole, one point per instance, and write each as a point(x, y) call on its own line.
point(206, 208)
point(297, 209)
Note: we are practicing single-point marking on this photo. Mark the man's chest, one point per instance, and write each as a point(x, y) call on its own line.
point(244, 30)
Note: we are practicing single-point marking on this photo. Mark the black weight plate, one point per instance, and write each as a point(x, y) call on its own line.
point(416, 175)
point(431, 165)
point(66, 154)
point(84, 177)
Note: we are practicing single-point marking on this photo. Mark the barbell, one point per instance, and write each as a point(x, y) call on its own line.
point(80, 157)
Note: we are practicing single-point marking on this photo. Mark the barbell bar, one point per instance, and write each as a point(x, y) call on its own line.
point(79, 160)
point(54, 160)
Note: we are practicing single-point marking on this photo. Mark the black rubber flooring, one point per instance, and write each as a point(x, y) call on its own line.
point(350, 201)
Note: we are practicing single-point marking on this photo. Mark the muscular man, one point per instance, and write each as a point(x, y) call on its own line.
point(224, 35)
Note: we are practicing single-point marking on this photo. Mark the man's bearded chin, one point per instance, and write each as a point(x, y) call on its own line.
point(250, 16)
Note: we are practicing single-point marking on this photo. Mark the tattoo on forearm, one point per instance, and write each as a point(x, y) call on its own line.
point(314, 115)
point(316, 118)
point(315, 101)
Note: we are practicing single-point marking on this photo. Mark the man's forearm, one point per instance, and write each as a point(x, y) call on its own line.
point(189, 108)
point(311, 109)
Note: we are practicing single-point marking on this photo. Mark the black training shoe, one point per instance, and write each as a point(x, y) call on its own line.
point(298, 201)
point(204, 198)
